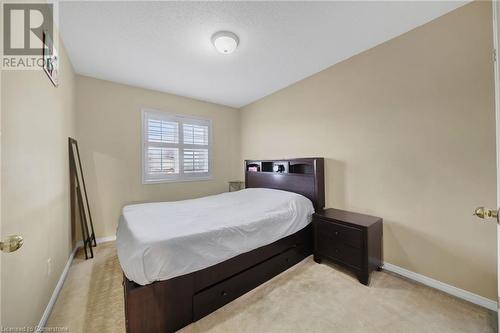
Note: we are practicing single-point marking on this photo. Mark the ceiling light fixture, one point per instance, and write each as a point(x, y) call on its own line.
point(225, 41)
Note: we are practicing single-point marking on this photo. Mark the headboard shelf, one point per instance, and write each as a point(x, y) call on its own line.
point(304, 176)
point(302, 168)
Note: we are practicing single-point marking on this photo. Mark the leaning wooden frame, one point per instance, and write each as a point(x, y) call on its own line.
point(79, 199)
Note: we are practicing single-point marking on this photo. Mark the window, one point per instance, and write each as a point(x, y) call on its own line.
point(175, 147)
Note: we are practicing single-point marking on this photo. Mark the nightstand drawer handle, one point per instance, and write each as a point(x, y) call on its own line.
point(336, 233)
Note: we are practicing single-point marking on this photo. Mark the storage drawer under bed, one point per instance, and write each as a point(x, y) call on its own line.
point(168, 305)
point(214, 297)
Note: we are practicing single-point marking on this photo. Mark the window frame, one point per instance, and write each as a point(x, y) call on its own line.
point(180, 119)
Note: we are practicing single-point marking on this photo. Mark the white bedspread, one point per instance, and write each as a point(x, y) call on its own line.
point(159, 241)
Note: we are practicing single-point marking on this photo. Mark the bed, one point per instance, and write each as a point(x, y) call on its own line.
point(183, 260)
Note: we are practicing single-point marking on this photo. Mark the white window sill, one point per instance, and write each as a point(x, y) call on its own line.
point(178, 180)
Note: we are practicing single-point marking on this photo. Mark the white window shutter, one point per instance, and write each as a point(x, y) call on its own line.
point(175, 147)
point(162, 161)
point(195, 134)
point(195, 160)
point(163, 131)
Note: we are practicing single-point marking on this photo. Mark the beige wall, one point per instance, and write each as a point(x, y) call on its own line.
point(109, 133)
point(37, 119)
point(408, 132)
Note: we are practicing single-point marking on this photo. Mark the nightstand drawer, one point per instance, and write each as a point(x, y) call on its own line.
point(340, 233)
point(330, 247)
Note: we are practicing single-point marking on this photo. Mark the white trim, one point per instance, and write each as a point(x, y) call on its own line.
point(495, 10)
point(457, 292)
point(177, 180)
point(62, 278)
point(105, 239)
point(57, 290)
point(101, 240)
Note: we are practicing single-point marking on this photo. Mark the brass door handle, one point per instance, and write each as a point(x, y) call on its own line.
point(11, 243)
point(486, 213)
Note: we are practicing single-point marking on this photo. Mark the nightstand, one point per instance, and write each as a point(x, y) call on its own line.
point(236, 185)
point(351, 239)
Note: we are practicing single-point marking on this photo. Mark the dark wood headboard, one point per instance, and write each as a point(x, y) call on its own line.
point(304, 176)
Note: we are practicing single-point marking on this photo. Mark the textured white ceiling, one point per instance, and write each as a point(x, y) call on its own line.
point(166, 46)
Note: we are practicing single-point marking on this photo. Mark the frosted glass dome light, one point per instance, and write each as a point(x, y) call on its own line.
point(225, 42)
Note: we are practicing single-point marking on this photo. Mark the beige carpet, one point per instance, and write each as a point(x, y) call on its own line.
point(307, 298)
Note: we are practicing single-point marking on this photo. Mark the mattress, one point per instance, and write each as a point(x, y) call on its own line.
point(159, 241)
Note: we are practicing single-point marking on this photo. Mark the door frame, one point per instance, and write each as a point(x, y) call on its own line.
point(1, 255)
point(496, 43)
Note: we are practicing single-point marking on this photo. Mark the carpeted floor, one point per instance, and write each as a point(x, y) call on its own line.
point(307, 298)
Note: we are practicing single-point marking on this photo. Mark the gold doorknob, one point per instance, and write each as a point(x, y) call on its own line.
point(486, 213)
point(11, 243)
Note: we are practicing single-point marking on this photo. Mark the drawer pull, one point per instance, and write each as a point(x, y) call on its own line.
point(336, 233)
point(223, 293)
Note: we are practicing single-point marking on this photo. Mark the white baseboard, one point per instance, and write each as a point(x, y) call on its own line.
point(98, 240)
point(55, 294)
point(62, 278)
point(105, 239)
point(457, 292)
